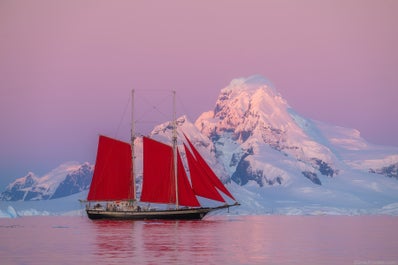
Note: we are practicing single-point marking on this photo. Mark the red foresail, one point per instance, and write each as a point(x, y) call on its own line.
point(201, 183)
point(112, 173)
point(207, 170)
point(158, 178)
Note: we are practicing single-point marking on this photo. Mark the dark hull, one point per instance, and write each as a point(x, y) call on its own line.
point(179, 214)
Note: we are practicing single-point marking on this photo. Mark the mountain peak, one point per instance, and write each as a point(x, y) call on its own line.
point(252, 120)
point(253, 81)
point(245, 105)
point(248, 87)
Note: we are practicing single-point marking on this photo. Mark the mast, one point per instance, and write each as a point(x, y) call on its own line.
point(174, 139)
point(132, 147)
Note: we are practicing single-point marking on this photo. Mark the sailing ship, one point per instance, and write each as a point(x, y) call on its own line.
point(165, 181)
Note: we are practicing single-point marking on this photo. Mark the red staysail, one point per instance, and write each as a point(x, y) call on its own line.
point(112, 173)
point(206, 173)
point(186, 195)
point(158, 180)
point(201, 184)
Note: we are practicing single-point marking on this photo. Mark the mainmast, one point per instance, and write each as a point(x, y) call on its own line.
point(132, 148)
point(174, 139)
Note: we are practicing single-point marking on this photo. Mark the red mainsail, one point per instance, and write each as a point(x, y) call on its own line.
point(158, 176)
point(112, 173)
point(206, 173)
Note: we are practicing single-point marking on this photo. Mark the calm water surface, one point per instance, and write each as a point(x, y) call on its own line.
point(216, 240)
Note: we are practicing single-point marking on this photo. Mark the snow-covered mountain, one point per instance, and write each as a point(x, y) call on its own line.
point(67, 179)
point(280, 159)
point(272, 159)
point(252, 126)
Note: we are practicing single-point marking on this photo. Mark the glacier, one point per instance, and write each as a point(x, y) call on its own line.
point(274, 160)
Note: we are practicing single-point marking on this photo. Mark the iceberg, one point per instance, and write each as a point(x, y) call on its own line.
point(11, 211)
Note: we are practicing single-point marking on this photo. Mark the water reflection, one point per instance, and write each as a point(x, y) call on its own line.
point(151, 242)
point(114, 240)
point(182, 242)
point(245, 240)
point(226, 240)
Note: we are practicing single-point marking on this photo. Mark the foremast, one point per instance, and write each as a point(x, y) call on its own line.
point(174, 146)
point(133, 191)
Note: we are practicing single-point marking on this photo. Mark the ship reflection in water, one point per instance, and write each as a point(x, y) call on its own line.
point(214, 240)
point(250, 240)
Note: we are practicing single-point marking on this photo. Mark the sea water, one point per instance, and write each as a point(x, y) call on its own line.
point(214, 240)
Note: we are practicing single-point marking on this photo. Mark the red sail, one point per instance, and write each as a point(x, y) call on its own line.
point(207, 170)
point(112, 173)
point(186, 195)
point(201, 183)
point(158, 180)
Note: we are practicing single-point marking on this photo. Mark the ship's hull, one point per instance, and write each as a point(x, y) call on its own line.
point(178, 214)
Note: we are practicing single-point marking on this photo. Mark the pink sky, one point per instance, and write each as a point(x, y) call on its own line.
point(67, 67)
